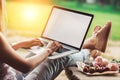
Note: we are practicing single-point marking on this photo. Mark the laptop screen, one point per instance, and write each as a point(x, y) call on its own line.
point(67, 26)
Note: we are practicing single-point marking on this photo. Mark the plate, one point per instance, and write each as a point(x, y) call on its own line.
point(81, 65)
point(103, 73)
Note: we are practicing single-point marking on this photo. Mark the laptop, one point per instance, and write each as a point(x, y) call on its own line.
point(69, 27)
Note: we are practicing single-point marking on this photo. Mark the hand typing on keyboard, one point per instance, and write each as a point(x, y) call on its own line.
point(53, 45)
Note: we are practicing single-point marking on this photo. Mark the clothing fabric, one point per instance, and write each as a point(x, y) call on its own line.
point(50, 68)
point(6, 72)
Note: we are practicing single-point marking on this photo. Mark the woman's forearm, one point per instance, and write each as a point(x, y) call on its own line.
point(17, 45)
point(26, 44)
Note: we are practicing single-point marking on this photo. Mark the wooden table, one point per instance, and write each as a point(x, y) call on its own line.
point(74, 74)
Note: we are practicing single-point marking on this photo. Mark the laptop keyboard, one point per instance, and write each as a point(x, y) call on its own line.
point(60, 50)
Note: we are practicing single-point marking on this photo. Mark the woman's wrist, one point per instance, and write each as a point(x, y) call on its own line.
point(49, 50)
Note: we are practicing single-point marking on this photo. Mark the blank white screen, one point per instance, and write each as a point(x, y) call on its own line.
point(67, 27)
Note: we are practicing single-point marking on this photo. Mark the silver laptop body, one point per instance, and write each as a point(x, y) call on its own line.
point(66, 26)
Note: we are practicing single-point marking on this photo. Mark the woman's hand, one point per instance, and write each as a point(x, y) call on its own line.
point(53, 46)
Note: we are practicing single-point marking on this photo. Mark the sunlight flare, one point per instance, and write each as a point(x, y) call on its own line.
point(29, 13)
point(27, 16)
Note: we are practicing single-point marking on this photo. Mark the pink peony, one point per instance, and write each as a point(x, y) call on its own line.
point(99, 60)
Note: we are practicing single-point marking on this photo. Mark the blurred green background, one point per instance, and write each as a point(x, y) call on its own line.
point(103, 11)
